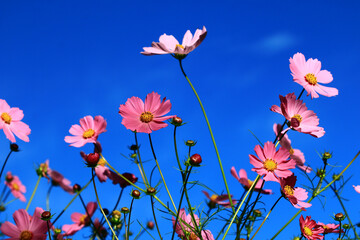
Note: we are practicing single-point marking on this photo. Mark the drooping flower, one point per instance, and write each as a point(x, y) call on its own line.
point(169, 45)
point(80, 220)
point(330, 227)
point(87, 132)
point(309, 74)
point(246, 183)
point(147, 117)
point(10, 122)
point(222, 200)
point(357, 188)
point(101, 170)
point(99, 229)
point(27, 227)
point(270, 163)
point(43, 170)
point(116, 179)
point(300, 118)
point(310, 229)
point(295, 154)
point(57, 179)
point(188, 225)
point(297, 195)
point(16, 187)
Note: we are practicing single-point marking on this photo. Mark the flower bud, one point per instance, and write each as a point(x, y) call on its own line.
point(296, 238)
point(76, 188)
point(326, 155)
point(251, 218)
point(46, 216)
point(339, 217)
point(190, 143)
point(106, 211)
point(97, 147)
point(134, 155)
point(151, 191)
point(320, 173)
point(92, 159)
point(257, 213)
point(335, 177)
point(135, 194)
point(150, 225)
point(116, 214)
point(346, 226)
point(195, 160)
point(125, 210)
point(9, 177)
point(133, 147)
point(2, 208)
point(14, 147)
point(176, 121)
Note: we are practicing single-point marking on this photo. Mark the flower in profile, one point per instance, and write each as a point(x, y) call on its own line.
point(222, 200)
point(357, 188)
point(300, 118)
point(309, 74)
point(27, 227)
point(116, 179)
point(10, 122)
point(43, 170)
point(310, 229)
point(87, 132)
point(101, 170)
point(169, 45)
point(246, 183)
point(270, 163)
point(57, 179)
point(16, 187)
point(99, 229)
point(147, 117)
point(295, 154)
point(80, 220)
point(297, 195)
point(330, 227)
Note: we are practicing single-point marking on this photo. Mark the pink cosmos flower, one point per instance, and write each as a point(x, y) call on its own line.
point(270, 163)
point(222, 200)
point(27, 227)
point(101, 170)
point(246, 183)
point(147, 117)
point(357, 188)
point(57, 179)
point(300, 118)
point(169, 45)
point(294, 195)
point(116, 179)
point(80, 220)
point(310, 229)
point(330, 227)
point(189, 226)
point(308, 74)
point(87, 132)
point(10, 122)
point(16, 187)
point(295, 154)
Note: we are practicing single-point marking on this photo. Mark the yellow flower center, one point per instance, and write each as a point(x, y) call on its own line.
point(16, 187)
point(180, 46)
point(146, 117)
point(26, 235)
point(213, 198)
point(270, 165)
point(89, 133)
point(193, 236)
point(297, 117)
point(288, 190)
point(307, 231)
point(6, 117)
point(250, 182)
point(311, 79)
point(84, 219)
point(291, 151)
point(102, 162)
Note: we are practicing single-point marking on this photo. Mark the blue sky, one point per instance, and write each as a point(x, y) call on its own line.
point(61, 61)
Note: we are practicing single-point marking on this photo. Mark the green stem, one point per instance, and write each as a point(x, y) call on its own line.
point(7, 158)
point(141, 164)
point(48, 198)
point(128, 229)
point(177, 155)
point(33, 194)
point(48, 227)
point(153, 211)
point(212, 136)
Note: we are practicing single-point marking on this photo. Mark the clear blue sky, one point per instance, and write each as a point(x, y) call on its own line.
point(62, 60)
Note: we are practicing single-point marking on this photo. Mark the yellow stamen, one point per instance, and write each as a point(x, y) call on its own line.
point(15, 187)
point(102, 162)
point(213, 198)
point(180, 46)
point(193, 236)
point(89, 133)
point(311, 79)
point(6, 117)
point(291, 151)
point(297, 117)
point(84, 219)
point(270, 165)
point(26, 235)
point(250, 182)
point(146, 117)
point(307, 231)
point(288, 190)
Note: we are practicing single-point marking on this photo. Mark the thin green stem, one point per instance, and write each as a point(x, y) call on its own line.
point(141, 164)
point(212, 136)
point(3, 167)
point(33, 194)
point(177, 155)
point(48, 227)
point(131, 204)
point(126, 233)
point(153, 211)
point(48, 198)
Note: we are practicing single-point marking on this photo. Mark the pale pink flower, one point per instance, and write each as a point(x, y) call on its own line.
point(297, 195)
point(357, 188)
point(246, 183)
point(222, 200)
point(80, 220)
point(310, 229)
point(116, 179)
point(27, 227)
point(270, 163)
point(147, 117)
point(16, 187)
point(300, 118)
point(87, 132)
point(57, 179)
point(169, 45)
point(330, 227)
point(10, 122)
point(308, 74)
point(295, 154)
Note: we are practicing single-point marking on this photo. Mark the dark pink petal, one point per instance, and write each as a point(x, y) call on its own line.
point(22, 219)
point(255, 161)
point(156, 125)
point(37, 225)
point(234, 173)
point(152, 102)
point(269, 150)
point(75, 217)
point(10, 230)
point(259, 152)
point(91, 208)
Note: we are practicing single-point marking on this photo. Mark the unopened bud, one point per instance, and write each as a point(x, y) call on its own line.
point(92, 159)
point(135, 194)
point(14, 147)
point(9, 177)
point(2, 208)
point(125, 210)
point(176, 121)
point(257, 213)
point(326, 155)
point(133, 147)
point(346, 226)
point(106, 211)
point(190, 143)
point(335, 177)
point(133, 155)
point(151, 191)
point(46, 216)
point(195, 160)
point(76, 188)
point(320, 173)
point(116, 214)
point(339, 217)
point(150, 225)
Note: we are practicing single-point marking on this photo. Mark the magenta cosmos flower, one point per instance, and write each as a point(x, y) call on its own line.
point(308, 74)
point(246, 183)
point(270, 163)
point(10, 122)
point(116, 179)
point(16, 187)
point(330, 227)
point(101, 170)
point(27, 227)
point(222, 200)
point(357, 188)
point(147, 117)
point(87, 132)
point(188, 226)
point(295, 154)
point(294, 195)
point(300, 118)
point(80, 220)
point(310, 229)
point(169, 45)
point(57, 179)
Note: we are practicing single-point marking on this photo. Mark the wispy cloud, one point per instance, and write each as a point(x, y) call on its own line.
point(274, 43)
